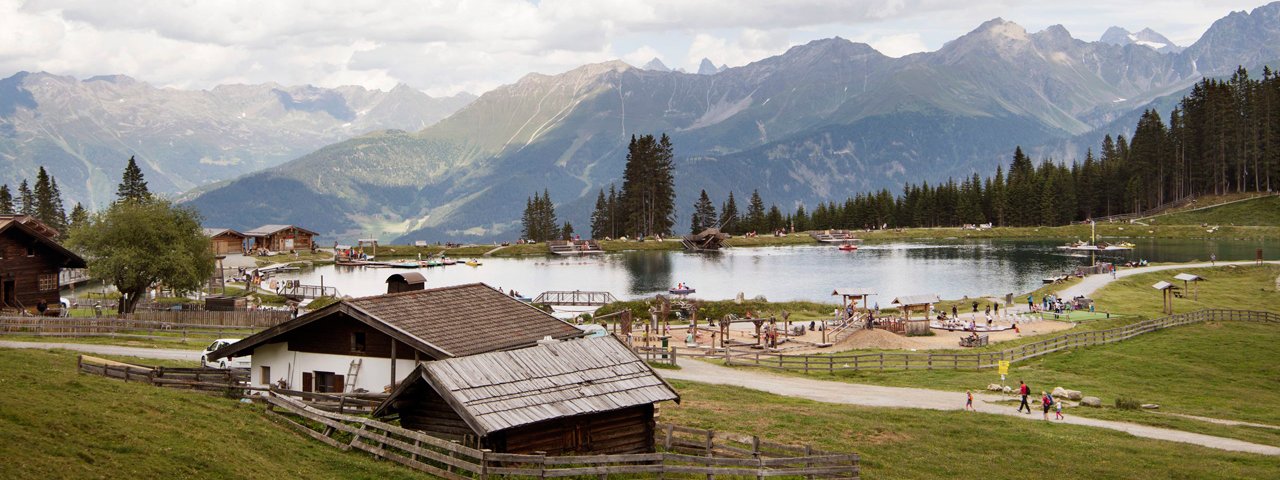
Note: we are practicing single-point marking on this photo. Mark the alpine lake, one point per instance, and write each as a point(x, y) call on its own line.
point(949, 268)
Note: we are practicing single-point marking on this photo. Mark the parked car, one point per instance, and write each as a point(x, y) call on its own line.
point(234, 362)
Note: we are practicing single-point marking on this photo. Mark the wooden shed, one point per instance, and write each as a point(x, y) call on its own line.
point(584, 396)
point(30, 263)
point(223, 241)
point(406, 282)
point(281, 238)
point(916, 303)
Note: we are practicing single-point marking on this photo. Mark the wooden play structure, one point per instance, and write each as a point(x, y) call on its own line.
point(913, 303)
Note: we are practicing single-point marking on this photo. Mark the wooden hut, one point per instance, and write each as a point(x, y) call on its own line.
point(370, 343)
point(586, 396)
point(1167, 291)
point(916, 303)
point(30, 263)
point(223, 241)
point(850, 296)
point(281, 238)
point(406, 282)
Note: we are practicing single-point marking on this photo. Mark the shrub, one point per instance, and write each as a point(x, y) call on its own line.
point(1126, 403)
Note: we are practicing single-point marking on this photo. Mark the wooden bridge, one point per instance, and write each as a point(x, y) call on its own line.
point(575, 298)
point(70, 277)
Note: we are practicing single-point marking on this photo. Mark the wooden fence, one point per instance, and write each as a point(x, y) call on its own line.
point(116, 327)
point(688, 453)
point(980, 360)
point(229, 382)
point(664, 355)
point(237, 318)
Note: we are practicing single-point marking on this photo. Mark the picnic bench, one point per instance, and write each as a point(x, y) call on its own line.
point(971, 341)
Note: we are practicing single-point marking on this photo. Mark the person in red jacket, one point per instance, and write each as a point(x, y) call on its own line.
point(1024, 390)
point(1047, 402)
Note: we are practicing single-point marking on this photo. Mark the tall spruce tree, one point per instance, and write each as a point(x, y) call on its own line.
point(755, 213)
point(704, 214)
point(600, 217)
point(27, 199)
point(729, 221)
point(132, 185)
point(79, 218)
point(6, 201)
point(648, 186)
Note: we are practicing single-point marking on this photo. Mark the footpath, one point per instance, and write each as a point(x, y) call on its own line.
point(901, 397)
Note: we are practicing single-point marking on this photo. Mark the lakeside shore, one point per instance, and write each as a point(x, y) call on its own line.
point(1064, 233)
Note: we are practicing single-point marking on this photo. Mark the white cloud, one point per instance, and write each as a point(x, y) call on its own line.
point(445, 46)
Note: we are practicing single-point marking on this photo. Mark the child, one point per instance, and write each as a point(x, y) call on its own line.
point(1058, 412)
point(1045, 401)
point(968, 404)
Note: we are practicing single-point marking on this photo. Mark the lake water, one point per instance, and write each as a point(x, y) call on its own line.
point(950, 268)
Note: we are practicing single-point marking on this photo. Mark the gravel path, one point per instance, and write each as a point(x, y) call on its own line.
point(161, 353)
point(878, 396)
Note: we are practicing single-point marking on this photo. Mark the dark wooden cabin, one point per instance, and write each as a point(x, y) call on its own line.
point(223, 241)
point(584, 396)
point(281, 238)
point(315, 352)
point(30, 261)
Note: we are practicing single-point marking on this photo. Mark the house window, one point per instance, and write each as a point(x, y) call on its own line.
point(357, 341)
point(48, 282)
point(31, 250)
point(265, 375)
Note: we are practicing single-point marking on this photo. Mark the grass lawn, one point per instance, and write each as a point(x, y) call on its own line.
point(67, 425)
point(916, 443)
point(1247, 287)
point(1258, 211)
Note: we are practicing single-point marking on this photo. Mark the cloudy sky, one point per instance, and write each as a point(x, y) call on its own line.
point(474, 45)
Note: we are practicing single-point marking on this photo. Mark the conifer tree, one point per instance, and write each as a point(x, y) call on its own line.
point(729, 221)
point(27, 199)
point(79, 218)
point(755, 213)
point(6, 201)
point(704, 214)
point(600, 217)
point(132, 185)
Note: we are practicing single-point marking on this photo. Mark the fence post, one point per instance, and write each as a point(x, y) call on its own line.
point(542, 463)
point(484, 463)
point(671, 428)
point(711, 445)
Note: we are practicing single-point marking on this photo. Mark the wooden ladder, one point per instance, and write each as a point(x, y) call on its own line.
point(352, 371)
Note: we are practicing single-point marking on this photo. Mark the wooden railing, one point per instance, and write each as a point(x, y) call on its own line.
point(230, 382)
point(115, 327)
point(980, 360)
point(685, 452)
point(663, 355)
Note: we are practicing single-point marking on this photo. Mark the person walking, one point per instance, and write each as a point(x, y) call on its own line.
point(1058, 411)
point(968, 404)
point(1045, 401)
point(1024, 390)
point(954, 312)
point(1213, 259)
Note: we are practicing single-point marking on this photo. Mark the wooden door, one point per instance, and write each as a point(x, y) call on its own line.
point(338, 384)
point(306, 381)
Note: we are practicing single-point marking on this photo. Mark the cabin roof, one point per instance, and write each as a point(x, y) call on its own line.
point(917, 299)
point(213, 232)
point(502, 390)
point(36, 225)
point(17, 223)
point(1188, 277)
point(444, 322)
point(1163, 285)
point(272, 229)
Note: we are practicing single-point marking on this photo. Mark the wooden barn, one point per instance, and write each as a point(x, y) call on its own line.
point(281, 238)
point(371, 342)
point(223, 241)
point(584, 396)
point(30, 262)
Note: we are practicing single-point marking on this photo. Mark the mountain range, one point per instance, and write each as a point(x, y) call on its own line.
point(84, 131)
point(820, 122)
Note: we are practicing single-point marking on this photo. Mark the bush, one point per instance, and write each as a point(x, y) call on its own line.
point(1126, 403)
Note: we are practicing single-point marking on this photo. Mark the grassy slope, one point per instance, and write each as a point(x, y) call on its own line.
point(1238, 287)
point(912, 443)
point(1259, 211)
point(67, 425)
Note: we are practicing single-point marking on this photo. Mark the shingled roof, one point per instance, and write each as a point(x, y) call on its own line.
point(444, 322)
point(41, 233)
point(501, 390)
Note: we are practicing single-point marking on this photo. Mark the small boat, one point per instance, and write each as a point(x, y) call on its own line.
point(430, 263)
point(473, 263)
point(848, 247)
point(402, 264)
point(448, 261)
point(680, 291)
